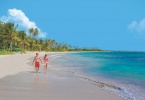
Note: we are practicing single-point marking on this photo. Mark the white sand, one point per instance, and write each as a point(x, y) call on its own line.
point(56, 85)
point(13, 64)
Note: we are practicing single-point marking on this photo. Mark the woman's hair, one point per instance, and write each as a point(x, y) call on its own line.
point(45, 55)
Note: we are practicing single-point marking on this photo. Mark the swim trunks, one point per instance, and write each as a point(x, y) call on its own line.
point(37, 64)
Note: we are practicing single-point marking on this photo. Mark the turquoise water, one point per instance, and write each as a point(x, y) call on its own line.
point(124, 65)
point(127, 69)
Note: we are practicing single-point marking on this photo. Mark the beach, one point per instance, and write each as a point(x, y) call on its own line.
point(18, 81)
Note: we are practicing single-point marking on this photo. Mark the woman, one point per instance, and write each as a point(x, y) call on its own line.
point(45, 63)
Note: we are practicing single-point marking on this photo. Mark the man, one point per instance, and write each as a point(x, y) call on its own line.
point(37, 62)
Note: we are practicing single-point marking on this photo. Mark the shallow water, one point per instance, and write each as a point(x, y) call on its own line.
point(122, 73)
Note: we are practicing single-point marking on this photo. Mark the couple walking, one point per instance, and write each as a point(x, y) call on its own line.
point(37, 60)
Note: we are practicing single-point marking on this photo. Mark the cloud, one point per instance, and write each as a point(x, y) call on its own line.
point(19, 17)
point(137, 26)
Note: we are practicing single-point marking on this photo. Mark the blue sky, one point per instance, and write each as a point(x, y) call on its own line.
point(106, 24)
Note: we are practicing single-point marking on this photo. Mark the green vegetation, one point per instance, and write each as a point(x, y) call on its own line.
point(5, 52)
point(12, 39)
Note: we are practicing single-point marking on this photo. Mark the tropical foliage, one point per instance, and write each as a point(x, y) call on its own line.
point(12, 39)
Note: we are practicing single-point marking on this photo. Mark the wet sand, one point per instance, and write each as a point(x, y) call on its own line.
point(55, 85)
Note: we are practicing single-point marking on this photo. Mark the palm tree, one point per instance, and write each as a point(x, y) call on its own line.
point(49, 45)
point(10, 33)
point(36, 31)
point(64, 46)
point(2, 36)
point(3, 43)
point(46, 45)
point(32, 43)
point(39, 44)
point(52, 44)
point(33, 32)
point(24, 42)
point(9, 37)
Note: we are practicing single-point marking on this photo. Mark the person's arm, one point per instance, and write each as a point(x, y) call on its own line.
point(40, 60)
point(33, 61)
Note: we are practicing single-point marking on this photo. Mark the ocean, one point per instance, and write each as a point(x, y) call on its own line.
point(122, 73)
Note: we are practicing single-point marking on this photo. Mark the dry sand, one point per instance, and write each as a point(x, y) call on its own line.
point(19, 82)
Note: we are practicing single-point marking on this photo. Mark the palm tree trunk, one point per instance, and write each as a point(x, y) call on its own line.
point(10, 48)
point(23, 47)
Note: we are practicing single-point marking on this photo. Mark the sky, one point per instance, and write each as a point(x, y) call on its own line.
point(105, 24)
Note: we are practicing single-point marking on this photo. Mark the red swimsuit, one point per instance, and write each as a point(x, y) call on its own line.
point(45, 58)
point(37, 64)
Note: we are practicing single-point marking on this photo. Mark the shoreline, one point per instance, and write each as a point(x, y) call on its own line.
point(106, 85)
point(68, 80)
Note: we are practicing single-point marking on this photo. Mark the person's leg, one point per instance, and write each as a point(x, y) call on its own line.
point(37, 68)
point(37, 65)
point(45, 68)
